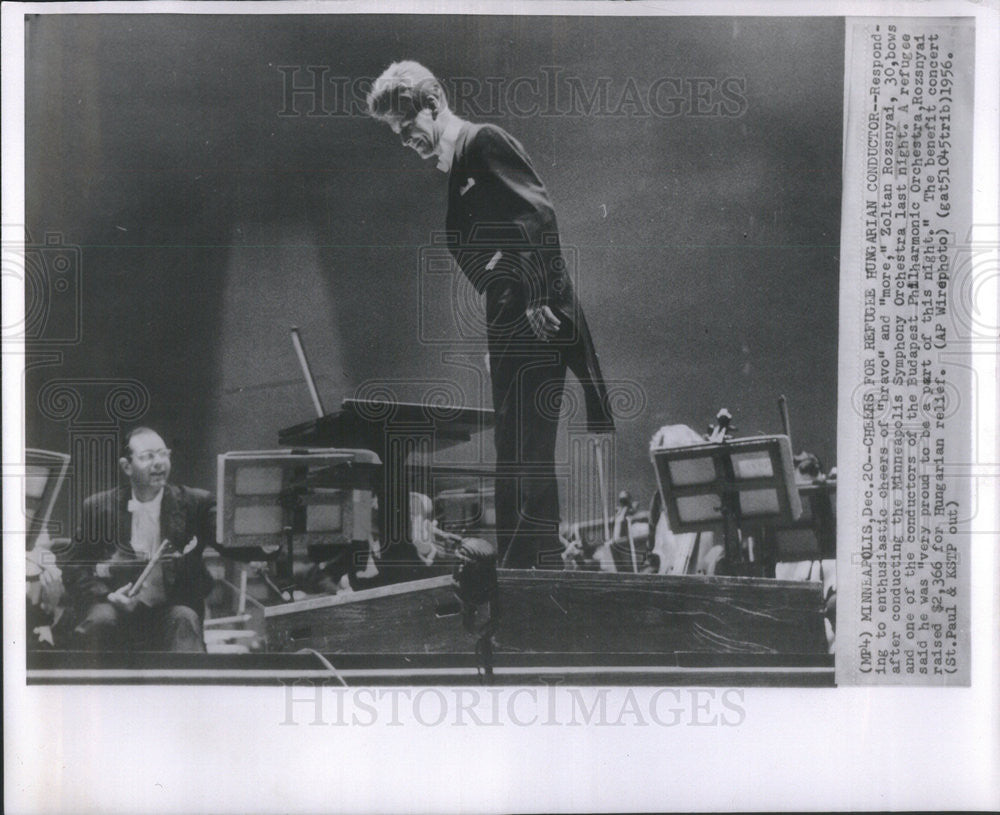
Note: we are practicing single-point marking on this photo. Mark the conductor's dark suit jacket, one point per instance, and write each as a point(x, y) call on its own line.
point(102, 559)
point(498, 204)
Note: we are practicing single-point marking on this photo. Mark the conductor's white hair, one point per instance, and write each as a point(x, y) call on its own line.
point(403, 80)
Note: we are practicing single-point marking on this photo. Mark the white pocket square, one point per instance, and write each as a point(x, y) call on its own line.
point(469, 184)
point(494, 261)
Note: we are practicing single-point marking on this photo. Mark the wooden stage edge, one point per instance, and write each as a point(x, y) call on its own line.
point(567, 628)
point(563, 676)
point(582, 613)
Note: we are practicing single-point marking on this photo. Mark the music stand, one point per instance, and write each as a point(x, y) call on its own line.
point(467, 510)
point(44, 474)
point(274, 501)
point(743, 480)
point(813, 536)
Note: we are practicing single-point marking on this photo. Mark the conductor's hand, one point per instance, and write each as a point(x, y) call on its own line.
point(543, 322)
point(120, 599)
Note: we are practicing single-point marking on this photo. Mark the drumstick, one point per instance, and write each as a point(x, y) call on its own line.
point(146, 572)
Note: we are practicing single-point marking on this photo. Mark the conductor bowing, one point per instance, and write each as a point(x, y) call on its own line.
point(502, 233)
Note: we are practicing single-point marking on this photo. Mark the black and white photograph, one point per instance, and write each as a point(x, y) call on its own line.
point(388, 372)
point(243, 195)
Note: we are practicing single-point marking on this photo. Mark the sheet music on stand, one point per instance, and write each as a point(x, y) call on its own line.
point(274, 500)
point(706, 486)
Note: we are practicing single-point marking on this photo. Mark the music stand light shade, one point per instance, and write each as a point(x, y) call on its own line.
point(325, 515)
point(685, 472)
point(251, 480)
point(255, 520)
point(755, 477)
point(320, 495)
point(44, 473)
point(692, 509)
point(756, 464)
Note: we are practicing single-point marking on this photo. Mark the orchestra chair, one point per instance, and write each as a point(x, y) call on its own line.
point(241, 630)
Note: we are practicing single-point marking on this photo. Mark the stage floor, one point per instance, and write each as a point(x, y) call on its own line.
point(574, 628)
point(75, 668)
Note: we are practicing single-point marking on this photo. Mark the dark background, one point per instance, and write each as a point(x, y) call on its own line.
point(706, 247)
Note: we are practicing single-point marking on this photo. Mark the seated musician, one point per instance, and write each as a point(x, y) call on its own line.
point(135, 572)
point(680, 552)
point(48, 624)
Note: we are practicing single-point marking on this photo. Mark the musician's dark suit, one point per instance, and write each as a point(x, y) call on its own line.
point(502, 233)
point(102, 560)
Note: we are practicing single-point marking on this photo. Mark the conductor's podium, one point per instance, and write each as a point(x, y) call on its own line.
point(585, 626)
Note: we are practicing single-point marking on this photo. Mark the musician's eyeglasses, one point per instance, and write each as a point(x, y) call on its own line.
point(149, 456)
